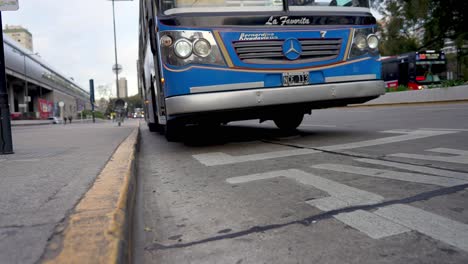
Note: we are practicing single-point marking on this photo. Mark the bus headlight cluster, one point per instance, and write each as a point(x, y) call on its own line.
point(183, 47)
point(364, 42)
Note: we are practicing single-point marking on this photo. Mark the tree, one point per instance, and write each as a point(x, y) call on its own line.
point(134, 102)
point(437, 19)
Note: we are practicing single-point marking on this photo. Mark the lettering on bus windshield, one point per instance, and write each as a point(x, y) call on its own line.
point(285, 20)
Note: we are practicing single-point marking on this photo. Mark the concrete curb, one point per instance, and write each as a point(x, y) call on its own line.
point(99, 228)
point(456, 94)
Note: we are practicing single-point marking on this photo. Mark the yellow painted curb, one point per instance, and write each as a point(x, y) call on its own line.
point(98, 230)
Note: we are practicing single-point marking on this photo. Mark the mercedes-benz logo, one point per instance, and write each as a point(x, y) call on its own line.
point(292, 49)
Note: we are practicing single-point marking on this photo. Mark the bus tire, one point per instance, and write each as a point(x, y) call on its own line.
point(173, 130)
point(289, 122)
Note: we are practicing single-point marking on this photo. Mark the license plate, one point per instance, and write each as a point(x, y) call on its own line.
point(295, 78)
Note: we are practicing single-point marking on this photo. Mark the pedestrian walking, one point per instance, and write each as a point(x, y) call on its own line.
point(64, 120)
point(70, 118)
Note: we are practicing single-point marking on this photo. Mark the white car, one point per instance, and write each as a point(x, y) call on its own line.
point(55, 120)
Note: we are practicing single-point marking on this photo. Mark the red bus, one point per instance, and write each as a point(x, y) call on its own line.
point(417, 70)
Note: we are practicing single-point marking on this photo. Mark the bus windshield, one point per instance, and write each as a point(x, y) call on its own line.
point(430, 72)
point(170, 7)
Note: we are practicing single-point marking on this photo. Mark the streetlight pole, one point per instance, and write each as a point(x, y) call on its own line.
point(117, 68)
point(115, 50)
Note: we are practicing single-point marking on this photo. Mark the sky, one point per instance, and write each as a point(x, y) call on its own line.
point(76, 37)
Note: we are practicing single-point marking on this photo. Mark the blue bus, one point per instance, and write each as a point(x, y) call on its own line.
point(217, 61)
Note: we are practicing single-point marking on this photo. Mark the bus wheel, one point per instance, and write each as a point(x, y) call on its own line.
point(289, 122)
point(173, 130)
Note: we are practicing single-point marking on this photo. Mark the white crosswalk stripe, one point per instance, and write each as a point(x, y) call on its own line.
point(372, 225)
point(341, 195)
point(438, 227)
point(416, 168)
point(219, 158)
point(461, 156)
point(407, 135)
point(393, 175)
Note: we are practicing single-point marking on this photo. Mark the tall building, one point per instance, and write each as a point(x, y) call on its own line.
point(20, 35)
point(123, 89)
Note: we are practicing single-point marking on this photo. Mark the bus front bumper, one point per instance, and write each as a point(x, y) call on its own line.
point(240, 99)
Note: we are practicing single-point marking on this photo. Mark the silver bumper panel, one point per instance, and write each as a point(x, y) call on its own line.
point(206, 102)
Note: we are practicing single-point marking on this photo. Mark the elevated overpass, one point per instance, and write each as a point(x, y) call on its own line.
point(35, 88)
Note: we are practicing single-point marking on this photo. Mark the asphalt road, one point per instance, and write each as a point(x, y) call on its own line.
point(53, 166)
point(353, 185)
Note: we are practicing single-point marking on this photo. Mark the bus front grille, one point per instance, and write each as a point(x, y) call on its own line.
point(271, 51)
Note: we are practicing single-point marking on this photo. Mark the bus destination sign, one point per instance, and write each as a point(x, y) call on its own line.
point(430, 56)
point(9, 5)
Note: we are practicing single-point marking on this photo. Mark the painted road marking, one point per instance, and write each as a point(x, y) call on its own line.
point(393, 175)
point(421, 169)
point(386, 221)
point(372, 225)
point(448, 129)
point(449, 231)
point(341, 195)
point(450, 151)
point(408, 135)
point(440, 109)
point(307, 125)
point(219, 158)
point(461, 156)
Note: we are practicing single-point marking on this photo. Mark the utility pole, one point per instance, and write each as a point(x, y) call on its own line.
point(115, 51)
point(116, 68)
point(6, 142)
point(91, 98)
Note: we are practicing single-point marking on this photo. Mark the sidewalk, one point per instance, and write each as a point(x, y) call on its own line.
point(49, 122)
point(53, 166)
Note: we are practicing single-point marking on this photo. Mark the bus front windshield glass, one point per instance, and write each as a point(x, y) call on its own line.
point(170, 7)
point(430, 72)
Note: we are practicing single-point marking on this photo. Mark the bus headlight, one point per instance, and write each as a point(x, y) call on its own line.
point(373, 41)
point(183, 48)
point(361, 42)
point(201, 47)
point(190, 47)
point(364, 42)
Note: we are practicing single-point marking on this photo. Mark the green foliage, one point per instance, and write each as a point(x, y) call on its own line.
point(400, 88)
point(451, 83)
point(406, 20)
point(133, 102)
point(97, 114)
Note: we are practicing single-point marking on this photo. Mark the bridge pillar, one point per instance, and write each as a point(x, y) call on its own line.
point(11, 97)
